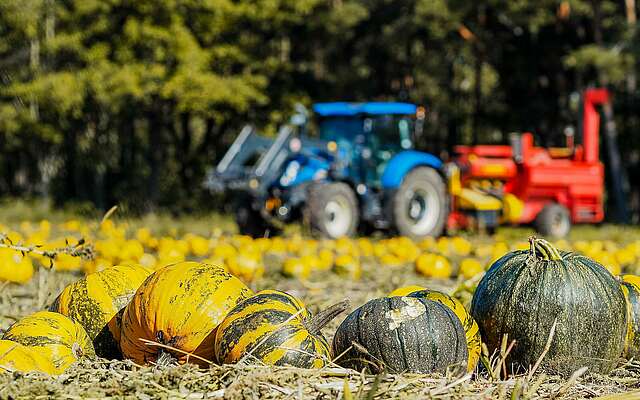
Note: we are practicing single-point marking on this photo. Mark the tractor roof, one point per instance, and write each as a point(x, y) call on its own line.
point(373, 108)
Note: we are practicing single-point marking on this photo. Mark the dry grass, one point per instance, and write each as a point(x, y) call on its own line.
point(123, 379)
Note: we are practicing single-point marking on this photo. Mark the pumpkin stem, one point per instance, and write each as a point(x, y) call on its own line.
point(543, 249)
point(322, 318)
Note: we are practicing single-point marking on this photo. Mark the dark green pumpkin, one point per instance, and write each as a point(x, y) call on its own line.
point(526, 291)
point(401, 334)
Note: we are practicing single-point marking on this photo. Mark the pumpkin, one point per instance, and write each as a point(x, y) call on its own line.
point(469, 268)
point(54, 336)
point(277, 329)
point(97, 302)
point(247, 265)
point(471, 330)
point(433, 266)
point(526, 291)
point(348, 267)
point(406, 290)
point(16, 357)
point(15, 267)
point(631, 288)
point(180, 306)
point(401, 334)
point(296, 268)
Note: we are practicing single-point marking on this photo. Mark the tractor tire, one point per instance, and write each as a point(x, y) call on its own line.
point(331, 210)
point(554, 221)
point(251, 223)
point(419, 206)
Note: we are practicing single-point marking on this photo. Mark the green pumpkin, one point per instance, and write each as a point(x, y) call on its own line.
point(526, 291)
point(401, 334)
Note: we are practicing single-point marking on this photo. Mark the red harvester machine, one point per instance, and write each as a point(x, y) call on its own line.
point(523, 184)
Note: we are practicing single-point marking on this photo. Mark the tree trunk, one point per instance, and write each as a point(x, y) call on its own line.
point(154, 156)
point(479, 61)
point(70, 164)
point(477, 94)
point(617, 174)
point(186, 158)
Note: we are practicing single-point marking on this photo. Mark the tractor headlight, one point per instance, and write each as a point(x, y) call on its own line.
point(290, 173)
point(295, 145)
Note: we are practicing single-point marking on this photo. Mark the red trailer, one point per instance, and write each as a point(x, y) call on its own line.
point(550, 187)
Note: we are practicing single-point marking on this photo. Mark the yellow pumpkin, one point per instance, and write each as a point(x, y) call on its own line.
point(325, 259)
point(461, 246)
point(14, 267)
point(347, 266)
point(296, 268)
point(406, 290)
point(54, 336)
point(433, 266)
point(97, 302)
point(180, 306)
point(246, 265)
point(472, 332)
point(470, 267)
point(16, 357)
point(198, 245)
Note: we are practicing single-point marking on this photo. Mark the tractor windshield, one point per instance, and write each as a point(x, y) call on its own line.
point(340, 128)
point(389, 132)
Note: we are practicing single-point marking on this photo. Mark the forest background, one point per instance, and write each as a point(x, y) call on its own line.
point(130, 101)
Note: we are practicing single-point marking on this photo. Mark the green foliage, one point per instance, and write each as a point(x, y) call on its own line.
point(133, 100)
point(612, 64)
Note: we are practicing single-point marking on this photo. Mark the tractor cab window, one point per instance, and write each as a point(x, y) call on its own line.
point(391, 133)
point(339, 129)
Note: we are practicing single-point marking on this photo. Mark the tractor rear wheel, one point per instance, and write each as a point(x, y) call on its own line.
point(419, 206)
point(554, 220)
point(331, 210)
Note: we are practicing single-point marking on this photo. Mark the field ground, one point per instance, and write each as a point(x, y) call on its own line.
point(123, 379)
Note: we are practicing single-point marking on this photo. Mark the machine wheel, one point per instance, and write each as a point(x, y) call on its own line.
point(554, 220)
point(419, 207)
point(331, 210)
point(251, 223)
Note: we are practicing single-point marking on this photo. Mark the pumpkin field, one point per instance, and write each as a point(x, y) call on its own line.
point(185, 308)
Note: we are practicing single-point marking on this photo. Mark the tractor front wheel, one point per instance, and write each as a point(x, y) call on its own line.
point(554, 220)
point(331, 210)
point(419, 206)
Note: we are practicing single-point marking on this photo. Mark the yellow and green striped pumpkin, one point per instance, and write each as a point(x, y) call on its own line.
point(16, 357)
point(631, 288)
point(179, 306)
point(97, 302)
point(275, 328)
point(54, 336)
point(471, 330)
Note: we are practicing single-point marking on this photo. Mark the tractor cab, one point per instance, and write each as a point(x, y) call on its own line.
point(368, 135)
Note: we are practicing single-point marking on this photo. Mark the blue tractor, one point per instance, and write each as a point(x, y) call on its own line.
point(348, 167)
